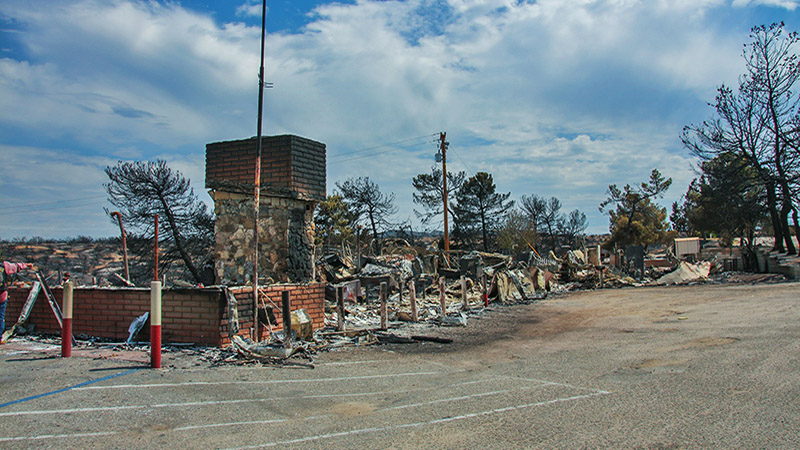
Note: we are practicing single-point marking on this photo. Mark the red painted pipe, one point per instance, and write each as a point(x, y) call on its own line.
point(155, 346)
point(66, 338)
point(155, 324)
point(66, 326)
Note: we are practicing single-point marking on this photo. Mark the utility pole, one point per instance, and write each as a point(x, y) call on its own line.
point(257, 205)
point(443, 148)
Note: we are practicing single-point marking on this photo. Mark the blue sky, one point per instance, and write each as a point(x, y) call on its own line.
point(553, 97)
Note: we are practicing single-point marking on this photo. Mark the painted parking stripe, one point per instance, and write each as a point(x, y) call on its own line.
point(76, 387)
point(37, 412)
point(541, 383)
point(424, 423)
point(217, 383)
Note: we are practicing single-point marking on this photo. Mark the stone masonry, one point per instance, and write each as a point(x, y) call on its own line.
point(292, 183)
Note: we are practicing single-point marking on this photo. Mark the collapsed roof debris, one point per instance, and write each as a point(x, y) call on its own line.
point(488, 279)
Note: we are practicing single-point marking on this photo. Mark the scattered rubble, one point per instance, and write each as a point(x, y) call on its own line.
point(471, 282)
point(685, 273)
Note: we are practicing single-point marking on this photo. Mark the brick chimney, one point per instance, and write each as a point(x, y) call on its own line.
point(292, 183)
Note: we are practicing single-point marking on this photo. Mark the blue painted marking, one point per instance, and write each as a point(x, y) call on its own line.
point(34, 397)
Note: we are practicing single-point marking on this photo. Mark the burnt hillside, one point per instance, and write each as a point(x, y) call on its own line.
point(83, 258)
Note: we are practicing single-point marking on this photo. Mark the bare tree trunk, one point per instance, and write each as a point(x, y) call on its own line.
point(772, 205)
point(787, 235)
point(179, 243)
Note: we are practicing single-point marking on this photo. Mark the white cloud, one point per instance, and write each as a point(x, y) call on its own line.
point(251, 8)
point(552, 97)
point(786, 4)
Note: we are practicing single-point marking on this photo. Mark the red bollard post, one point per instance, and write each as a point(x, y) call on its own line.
point(155, 324)
point(66, 328)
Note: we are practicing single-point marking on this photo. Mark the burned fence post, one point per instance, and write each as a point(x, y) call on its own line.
point(384, 310)
point(484, 290)
point(340, 308)
point(286, 317)
point(412, 295)
point(442, 306)
point(399, 289)
point(155, 324)
point(66, 329)
point(464, 302)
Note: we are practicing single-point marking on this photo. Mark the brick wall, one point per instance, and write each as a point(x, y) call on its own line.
point(288, 162)
point(310, 297)
point(188, 315)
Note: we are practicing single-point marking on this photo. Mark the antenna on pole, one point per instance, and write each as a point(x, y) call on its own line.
point(256, 205)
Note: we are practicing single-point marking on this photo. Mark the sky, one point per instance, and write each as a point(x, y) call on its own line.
point(552, 97)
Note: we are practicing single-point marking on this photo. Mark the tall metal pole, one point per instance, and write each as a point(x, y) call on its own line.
point(443, 147)
point(155, 249)
point(256, 205)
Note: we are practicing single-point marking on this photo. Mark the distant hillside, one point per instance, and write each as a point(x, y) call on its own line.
point(82, 258)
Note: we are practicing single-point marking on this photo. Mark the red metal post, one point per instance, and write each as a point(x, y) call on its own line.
point(155, 258)
point(155, 324)
point(66, 328)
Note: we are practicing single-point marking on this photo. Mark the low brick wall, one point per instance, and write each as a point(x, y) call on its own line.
point(188, 315)
point(310, 297)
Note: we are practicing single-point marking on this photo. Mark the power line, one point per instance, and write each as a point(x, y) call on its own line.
point(371, 155)
point(45, 206)
point(404, 141)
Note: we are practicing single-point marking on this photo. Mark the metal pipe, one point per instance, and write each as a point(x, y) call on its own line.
point(155, 324)
point(257, 193)
point(66, 328)
point(155, 251)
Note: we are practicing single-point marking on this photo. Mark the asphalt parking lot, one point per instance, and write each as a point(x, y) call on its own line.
point(709, 366)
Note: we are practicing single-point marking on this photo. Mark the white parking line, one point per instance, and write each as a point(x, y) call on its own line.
point(217, 383)
point(420, 424)
point(36, 412)
point(538, 384)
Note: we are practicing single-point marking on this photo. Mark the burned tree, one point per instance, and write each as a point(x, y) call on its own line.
point(142, 189)
point(429, 193)
point(636, 219)
point(758, 122)
point(480, 207)
point(367, 202)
